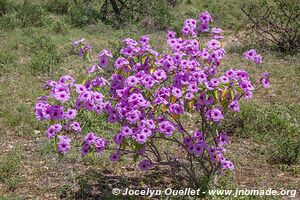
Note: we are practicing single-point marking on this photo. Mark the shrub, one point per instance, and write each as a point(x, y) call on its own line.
point(8, 168)
point(274, 24)
point(153, 15)
point(271, 124)
point(31, 14)
point(263, 121)
point(58, 6)
point(45, 56)
point(5, 7)
point(160, 12)
point(82, 14)
point(150, 96)
point(59, 26)
point(8, 21)
point(6, 60)
point(284, 150)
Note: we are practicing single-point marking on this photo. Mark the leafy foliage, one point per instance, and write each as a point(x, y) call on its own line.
point(31, 14)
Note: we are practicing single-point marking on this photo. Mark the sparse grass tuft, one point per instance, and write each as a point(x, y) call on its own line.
point(9, 166)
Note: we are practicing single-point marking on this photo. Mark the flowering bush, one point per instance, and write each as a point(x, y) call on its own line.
point(149, 95)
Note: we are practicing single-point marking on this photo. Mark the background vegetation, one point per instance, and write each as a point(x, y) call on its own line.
point(35, 41)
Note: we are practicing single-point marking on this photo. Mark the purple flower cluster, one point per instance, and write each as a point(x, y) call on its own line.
point(252, 56)
point(60, 91)
point(205, 19)
point(93, 141)
point(63, 145)
point(148, 94)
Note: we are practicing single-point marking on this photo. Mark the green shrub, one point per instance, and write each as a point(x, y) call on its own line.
point(160, 12)
point(58, 6)
point(274, 125)
point(8, 22)
point(5, 7)
point(152, 15)
point(31, 14)
point(81, 15)
point(263, 121)
point(9, 165)
point(7, 58)
point(59, 26)
point(284, 150)
point(45, 56)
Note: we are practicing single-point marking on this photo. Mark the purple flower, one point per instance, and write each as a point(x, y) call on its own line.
point(230, 165)
point(205, 17)
point(130, 42)
point(222, 139)
point(189, 96)
point(105, 53)
point(217, 33)
point(252, 56)
point(70, 114)
point(90, 138)
point(171, 35)
point(234, 106)
point(141, 138)
point(214, 82)
point(190, 149)
point(265, 82)
point(187, 141)
point(85, 50)
point(176, 109)
point(132, 81)
point(52, 130)
point(56, 112)
point(193, 88)
point(85, 96)
point(63, 145)
point(62, 96)
point(166, 128)
point(176, 92)
point(144, 40)
point(133, 116)
point(160, 74)
point(224, 79)
point(150, 124)
point(121, 62)
point(145, 165)
point(216, 115)
point(85, 149)
point(146, 132)
point(66, 80)
point(199, 136)
point(126, 131)
point(100, 145)
point(198, 148)
point(213, 44)
point(73, 126)
point(204, 27)
point(103, 61)
point(76, 43)
point(80, 88)
point(118, 138)
point(114, 157)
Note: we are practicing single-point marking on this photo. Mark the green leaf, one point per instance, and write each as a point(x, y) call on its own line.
point(232, 94)
point(216, 94)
